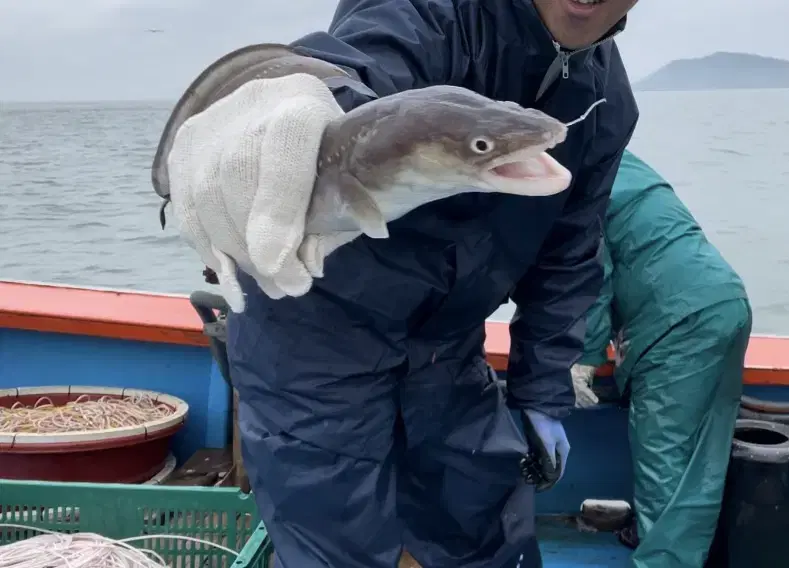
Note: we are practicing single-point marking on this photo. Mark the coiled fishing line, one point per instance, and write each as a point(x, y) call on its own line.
point(82, 414)
point(88, 550)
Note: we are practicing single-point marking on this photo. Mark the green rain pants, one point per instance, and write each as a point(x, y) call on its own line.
point(685, 392)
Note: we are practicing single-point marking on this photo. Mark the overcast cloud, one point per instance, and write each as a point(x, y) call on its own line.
point(100, 49)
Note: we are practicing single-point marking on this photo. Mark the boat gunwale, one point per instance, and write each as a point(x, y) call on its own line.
point(171, 319)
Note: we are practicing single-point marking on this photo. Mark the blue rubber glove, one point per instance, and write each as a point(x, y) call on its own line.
point(548, 445)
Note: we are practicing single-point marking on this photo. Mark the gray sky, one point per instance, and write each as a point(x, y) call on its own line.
point(99, 49)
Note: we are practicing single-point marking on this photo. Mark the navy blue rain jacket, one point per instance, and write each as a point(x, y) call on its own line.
point(539, 252)
point(450, 264)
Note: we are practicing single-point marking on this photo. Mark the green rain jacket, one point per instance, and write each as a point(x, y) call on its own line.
point(659, 268)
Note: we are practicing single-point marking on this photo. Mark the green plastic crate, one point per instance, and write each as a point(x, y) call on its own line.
point(222, 515)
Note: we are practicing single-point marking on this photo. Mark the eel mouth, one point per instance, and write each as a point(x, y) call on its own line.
point(530, 172)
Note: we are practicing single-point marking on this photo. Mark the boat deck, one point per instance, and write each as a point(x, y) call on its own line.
point(566, 547)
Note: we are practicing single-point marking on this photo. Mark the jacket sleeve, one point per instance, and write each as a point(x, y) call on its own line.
point(599, 326)
point(548, 328)
point(390, 46)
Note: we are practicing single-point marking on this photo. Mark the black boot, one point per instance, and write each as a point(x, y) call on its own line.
point(629, 535)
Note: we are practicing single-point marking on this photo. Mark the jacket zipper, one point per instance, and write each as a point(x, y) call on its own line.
point(563, 67)
point(564, 56)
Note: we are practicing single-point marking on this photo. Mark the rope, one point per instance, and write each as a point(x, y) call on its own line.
point(82, 414)
point(86, 550)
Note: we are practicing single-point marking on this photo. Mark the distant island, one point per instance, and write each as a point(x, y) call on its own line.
point(721, 70)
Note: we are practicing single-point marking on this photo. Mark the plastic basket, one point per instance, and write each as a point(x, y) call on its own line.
point(221, 515)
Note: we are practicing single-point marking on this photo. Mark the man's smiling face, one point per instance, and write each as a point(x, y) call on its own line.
point(579, 23)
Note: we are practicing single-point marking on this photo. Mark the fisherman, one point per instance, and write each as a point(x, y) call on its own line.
point(368, 415)
point(680, 320)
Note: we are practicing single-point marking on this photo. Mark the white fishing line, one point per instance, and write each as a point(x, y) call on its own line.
point(88, 550)
point(585, 114)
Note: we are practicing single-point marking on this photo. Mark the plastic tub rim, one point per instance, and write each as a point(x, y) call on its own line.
point(143, 431)
point(767, 453)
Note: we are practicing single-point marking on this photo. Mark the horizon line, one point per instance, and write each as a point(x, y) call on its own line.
point(85, 101)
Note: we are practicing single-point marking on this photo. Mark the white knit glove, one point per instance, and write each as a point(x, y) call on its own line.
point(583, 375)
point(241, 177)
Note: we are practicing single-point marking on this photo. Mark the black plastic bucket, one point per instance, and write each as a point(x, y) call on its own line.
point(753, 530)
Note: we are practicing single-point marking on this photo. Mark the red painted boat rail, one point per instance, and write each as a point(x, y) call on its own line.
point(163, 318)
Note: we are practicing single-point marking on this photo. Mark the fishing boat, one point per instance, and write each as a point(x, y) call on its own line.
point(55, 335)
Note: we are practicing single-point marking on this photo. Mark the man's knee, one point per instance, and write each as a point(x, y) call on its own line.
point(323, 507)
point(318, 449)
point(469, 445)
